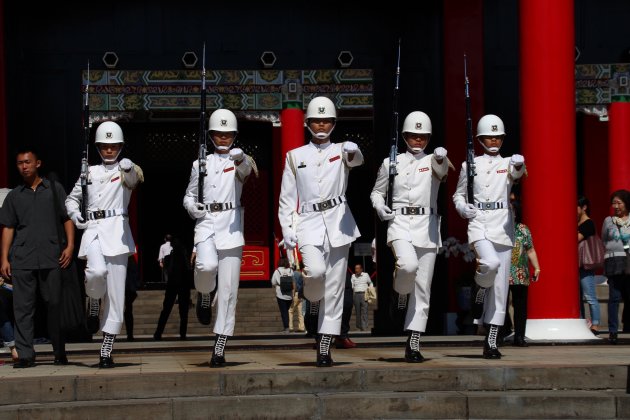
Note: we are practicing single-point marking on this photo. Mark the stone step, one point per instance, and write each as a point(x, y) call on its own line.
point(110, 385)
point(256, 312)
point(358, 405)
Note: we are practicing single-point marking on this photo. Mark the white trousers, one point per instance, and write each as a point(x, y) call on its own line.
point(324, 280)
point(227, 262)
point(105, 279)
point(413, 276)
point(494, 261)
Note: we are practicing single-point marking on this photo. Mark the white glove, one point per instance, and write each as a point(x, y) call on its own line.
point(350, 147)
point(236, 154)
point(197, 211)
point(78, 221)
point(289, 238)
point(440, 153)
point(125, 164)
point(469, 211)
point(384, 213)
point(517, 160)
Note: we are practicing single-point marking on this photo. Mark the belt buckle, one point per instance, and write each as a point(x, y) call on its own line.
point(216, 207)
point(413, 210)
point(325, 205)
point(99, 214)
point(488, 205)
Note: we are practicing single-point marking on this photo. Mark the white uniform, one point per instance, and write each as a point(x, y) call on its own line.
point(312, 197)
point(491, 231)
point(107, 242)
point(219, 235)
point(414, 238)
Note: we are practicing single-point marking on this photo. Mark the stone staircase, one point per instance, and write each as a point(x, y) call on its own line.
point(418, 392)
point(256, 312)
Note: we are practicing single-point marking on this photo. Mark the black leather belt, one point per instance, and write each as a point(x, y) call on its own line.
point(492, 205)
point(328, 204)
point(214, 207)
point(412, 211)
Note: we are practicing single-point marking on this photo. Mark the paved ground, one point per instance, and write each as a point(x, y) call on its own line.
point(264, 353)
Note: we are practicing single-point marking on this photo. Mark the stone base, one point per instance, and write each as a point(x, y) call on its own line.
point(558, 330)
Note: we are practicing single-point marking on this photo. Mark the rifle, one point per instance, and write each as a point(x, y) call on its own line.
point(202, 131)
point(470, 148)
point(86, 137)
point(393, 151)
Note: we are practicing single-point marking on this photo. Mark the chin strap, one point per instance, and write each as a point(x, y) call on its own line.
point(321, 136)
point(489, 149)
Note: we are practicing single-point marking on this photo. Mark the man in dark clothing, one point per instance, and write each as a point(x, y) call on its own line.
point(344, 342)
point(31, 255)
point(177, 287)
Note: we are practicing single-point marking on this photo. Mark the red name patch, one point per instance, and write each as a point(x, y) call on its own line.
point(332, 159)
point(115, 179)
point(423, 169)
point(228, 169)
point(500, 171)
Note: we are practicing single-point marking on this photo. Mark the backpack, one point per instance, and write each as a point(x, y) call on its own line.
point(286, 284)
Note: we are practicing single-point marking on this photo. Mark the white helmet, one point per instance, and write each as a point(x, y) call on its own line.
point(321, 107)
point(490, 125)
point(417, 122)
point(109, 132)
point(223, 120)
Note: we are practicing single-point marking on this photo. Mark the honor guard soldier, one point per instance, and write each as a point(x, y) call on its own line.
point(107, 241)
point(413, 232)
point(490, 225)
point(219, 228)
point(314, 214)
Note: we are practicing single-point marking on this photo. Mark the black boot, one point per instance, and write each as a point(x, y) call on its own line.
point(311, 318)
point(218, 354)
point(93, 322)
point(323, 350)
point(612, 338)
point(106, 360)
point(412, 350)
point(477, 306)
point(204, 307)
point(402, 302)
point(490, 349)
point(519, 341)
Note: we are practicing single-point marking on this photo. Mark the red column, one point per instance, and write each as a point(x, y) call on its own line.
point(595, 157)
point(547, 84)
point(463, 34)
point(619, 146)
point(289, 136)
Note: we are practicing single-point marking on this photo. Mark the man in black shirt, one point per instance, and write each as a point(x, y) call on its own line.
point(31, 256)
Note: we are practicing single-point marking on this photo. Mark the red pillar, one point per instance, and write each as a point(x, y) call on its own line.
point(287, 137)
point(619, 146)
point(547, 84)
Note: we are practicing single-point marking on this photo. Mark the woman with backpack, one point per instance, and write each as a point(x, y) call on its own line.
point(282, 279)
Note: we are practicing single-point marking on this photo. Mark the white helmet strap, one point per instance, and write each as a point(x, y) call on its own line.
point(320, 135)
point(489, 149)
point(112, 160)
point(223, 148)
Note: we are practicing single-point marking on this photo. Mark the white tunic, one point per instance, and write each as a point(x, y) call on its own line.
point(223, 184)
point(314, 174)
point(493, 183)
point(109, 189)
point(416, 185)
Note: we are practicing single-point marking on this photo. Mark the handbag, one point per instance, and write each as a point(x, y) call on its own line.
point(370, 294)
point(72, 317)
point(591, 253)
